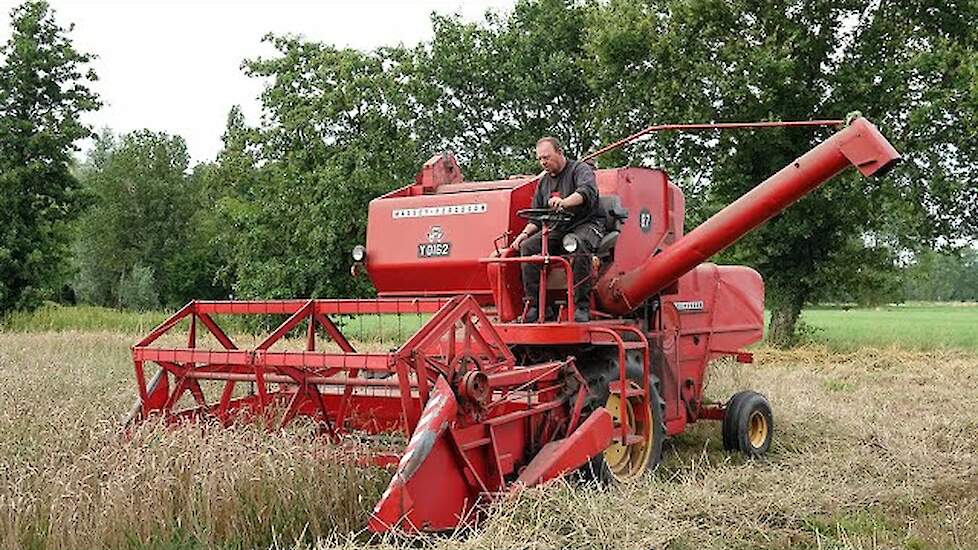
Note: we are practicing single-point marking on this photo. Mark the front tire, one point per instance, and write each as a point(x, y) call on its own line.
point(620, 463)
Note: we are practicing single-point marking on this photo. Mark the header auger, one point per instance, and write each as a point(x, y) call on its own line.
point(485, 404)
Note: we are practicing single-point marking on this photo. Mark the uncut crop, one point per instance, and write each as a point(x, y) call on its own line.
point(69, 479)
point(873, 449)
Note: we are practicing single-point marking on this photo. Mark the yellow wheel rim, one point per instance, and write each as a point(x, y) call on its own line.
point(627, 462)
point(757, 429)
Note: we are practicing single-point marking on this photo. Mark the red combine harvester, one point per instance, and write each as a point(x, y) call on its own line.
point(488, 404)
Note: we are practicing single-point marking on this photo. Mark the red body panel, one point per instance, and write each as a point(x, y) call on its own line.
point(715, 311)
point(647, 193)
point(461, 225)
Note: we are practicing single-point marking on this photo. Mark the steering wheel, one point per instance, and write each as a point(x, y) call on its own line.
point(545, 215)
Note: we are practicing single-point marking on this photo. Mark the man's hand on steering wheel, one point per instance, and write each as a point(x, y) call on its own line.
point(556, 203)
point(540, 217)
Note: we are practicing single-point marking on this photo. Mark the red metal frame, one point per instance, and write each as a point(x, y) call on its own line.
point(709, 126)
point(545, 259)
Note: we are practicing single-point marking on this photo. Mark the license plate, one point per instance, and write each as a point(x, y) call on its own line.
point(434, 250)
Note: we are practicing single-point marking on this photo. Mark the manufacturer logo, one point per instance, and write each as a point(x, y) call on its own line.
point(435, 247)
point(694, 306)
point(432, 211)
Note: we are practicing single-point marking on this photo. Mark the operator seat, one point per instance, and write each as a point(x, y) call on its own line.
point(614, 218)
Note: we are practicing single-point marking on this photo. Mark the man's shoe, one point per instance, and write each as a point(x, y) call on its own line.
point(581, 315)
point(532, 315)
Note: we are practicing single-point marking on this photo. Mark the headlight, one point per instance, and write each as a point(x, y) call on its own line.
point(359, 253)
point(570, 243)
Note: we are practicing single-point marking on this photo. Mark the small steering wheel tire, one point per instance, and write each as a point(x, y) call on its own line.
point(729, 428)
point(748, 425)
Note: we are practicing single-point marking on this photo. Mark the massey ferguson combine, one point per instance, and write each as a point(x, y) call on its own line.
point(487, 404)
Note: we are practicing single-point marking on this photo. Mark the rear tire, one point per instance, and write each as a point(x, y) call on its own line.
point(748, 424)
point(729, 429)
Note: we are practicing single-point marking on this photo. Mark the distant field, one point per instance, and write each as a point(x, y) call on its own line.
point(912, 326)
point(88, 318)
point(54, 318)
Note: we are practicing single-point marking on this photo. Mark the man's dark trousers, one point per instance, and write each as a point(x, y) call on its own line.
point(588, 237)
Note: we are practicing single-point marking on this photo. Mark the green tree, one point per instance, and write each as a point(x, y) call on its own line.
point(337, 134)
point(227, 187)
point(909, 65)
point(943, 277)
point(489, 90)
point(145, 240)
point(43, 93)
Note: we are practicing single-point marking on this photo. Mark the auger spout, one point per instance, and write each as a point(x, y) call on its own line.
point(860, 144)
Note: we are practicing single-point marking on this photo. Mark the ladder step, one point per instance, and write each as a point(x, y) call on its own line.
point(635, 345)
point(631, 390)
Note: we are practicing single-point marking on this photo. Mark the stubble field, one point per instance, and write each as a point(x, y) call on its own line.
point(876, 447)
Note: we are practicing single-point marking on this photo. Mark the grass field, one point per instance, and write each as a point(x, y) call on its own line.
point(911, 326)
point(875, 447)
point(55, 318)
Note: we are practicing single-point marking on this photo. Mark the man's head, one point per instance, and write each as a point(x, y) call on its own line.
point(550, 155)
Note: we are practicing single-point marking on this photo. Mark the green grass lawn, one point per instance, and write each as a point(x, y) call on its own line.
point(911, 326)
point(918, 326)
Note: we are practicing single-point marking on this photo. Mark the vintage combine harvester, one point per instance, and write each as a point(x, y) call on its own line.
point(486, 403)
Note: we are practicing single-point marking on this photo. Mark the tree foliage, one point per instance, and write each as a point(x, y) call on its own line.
point(43, 93)
point(906, 64)
point(338, 133)
point(489, 90)
point(943, 277)
point(145, 240)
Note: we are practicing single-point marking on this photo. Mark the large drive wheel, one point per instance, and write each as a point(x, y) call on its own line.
point(748, 425)
point(622, 463)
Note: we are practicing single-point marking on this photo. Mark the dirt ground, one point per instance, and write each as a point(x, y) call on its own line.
point(873, 449)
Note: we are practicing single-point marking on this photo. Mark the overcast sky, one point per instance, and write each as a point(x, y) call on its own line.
point(174, 66)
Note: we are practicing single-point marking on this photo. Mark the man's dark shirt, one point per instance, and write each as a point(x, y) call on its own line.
point(575, 177)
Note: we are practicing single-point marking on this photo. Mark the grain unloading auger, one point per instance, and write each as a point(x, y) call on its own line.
point(488, 404)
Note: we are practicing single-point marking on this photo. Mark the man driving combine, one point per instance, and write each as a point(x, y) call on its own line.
point(566, 185)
